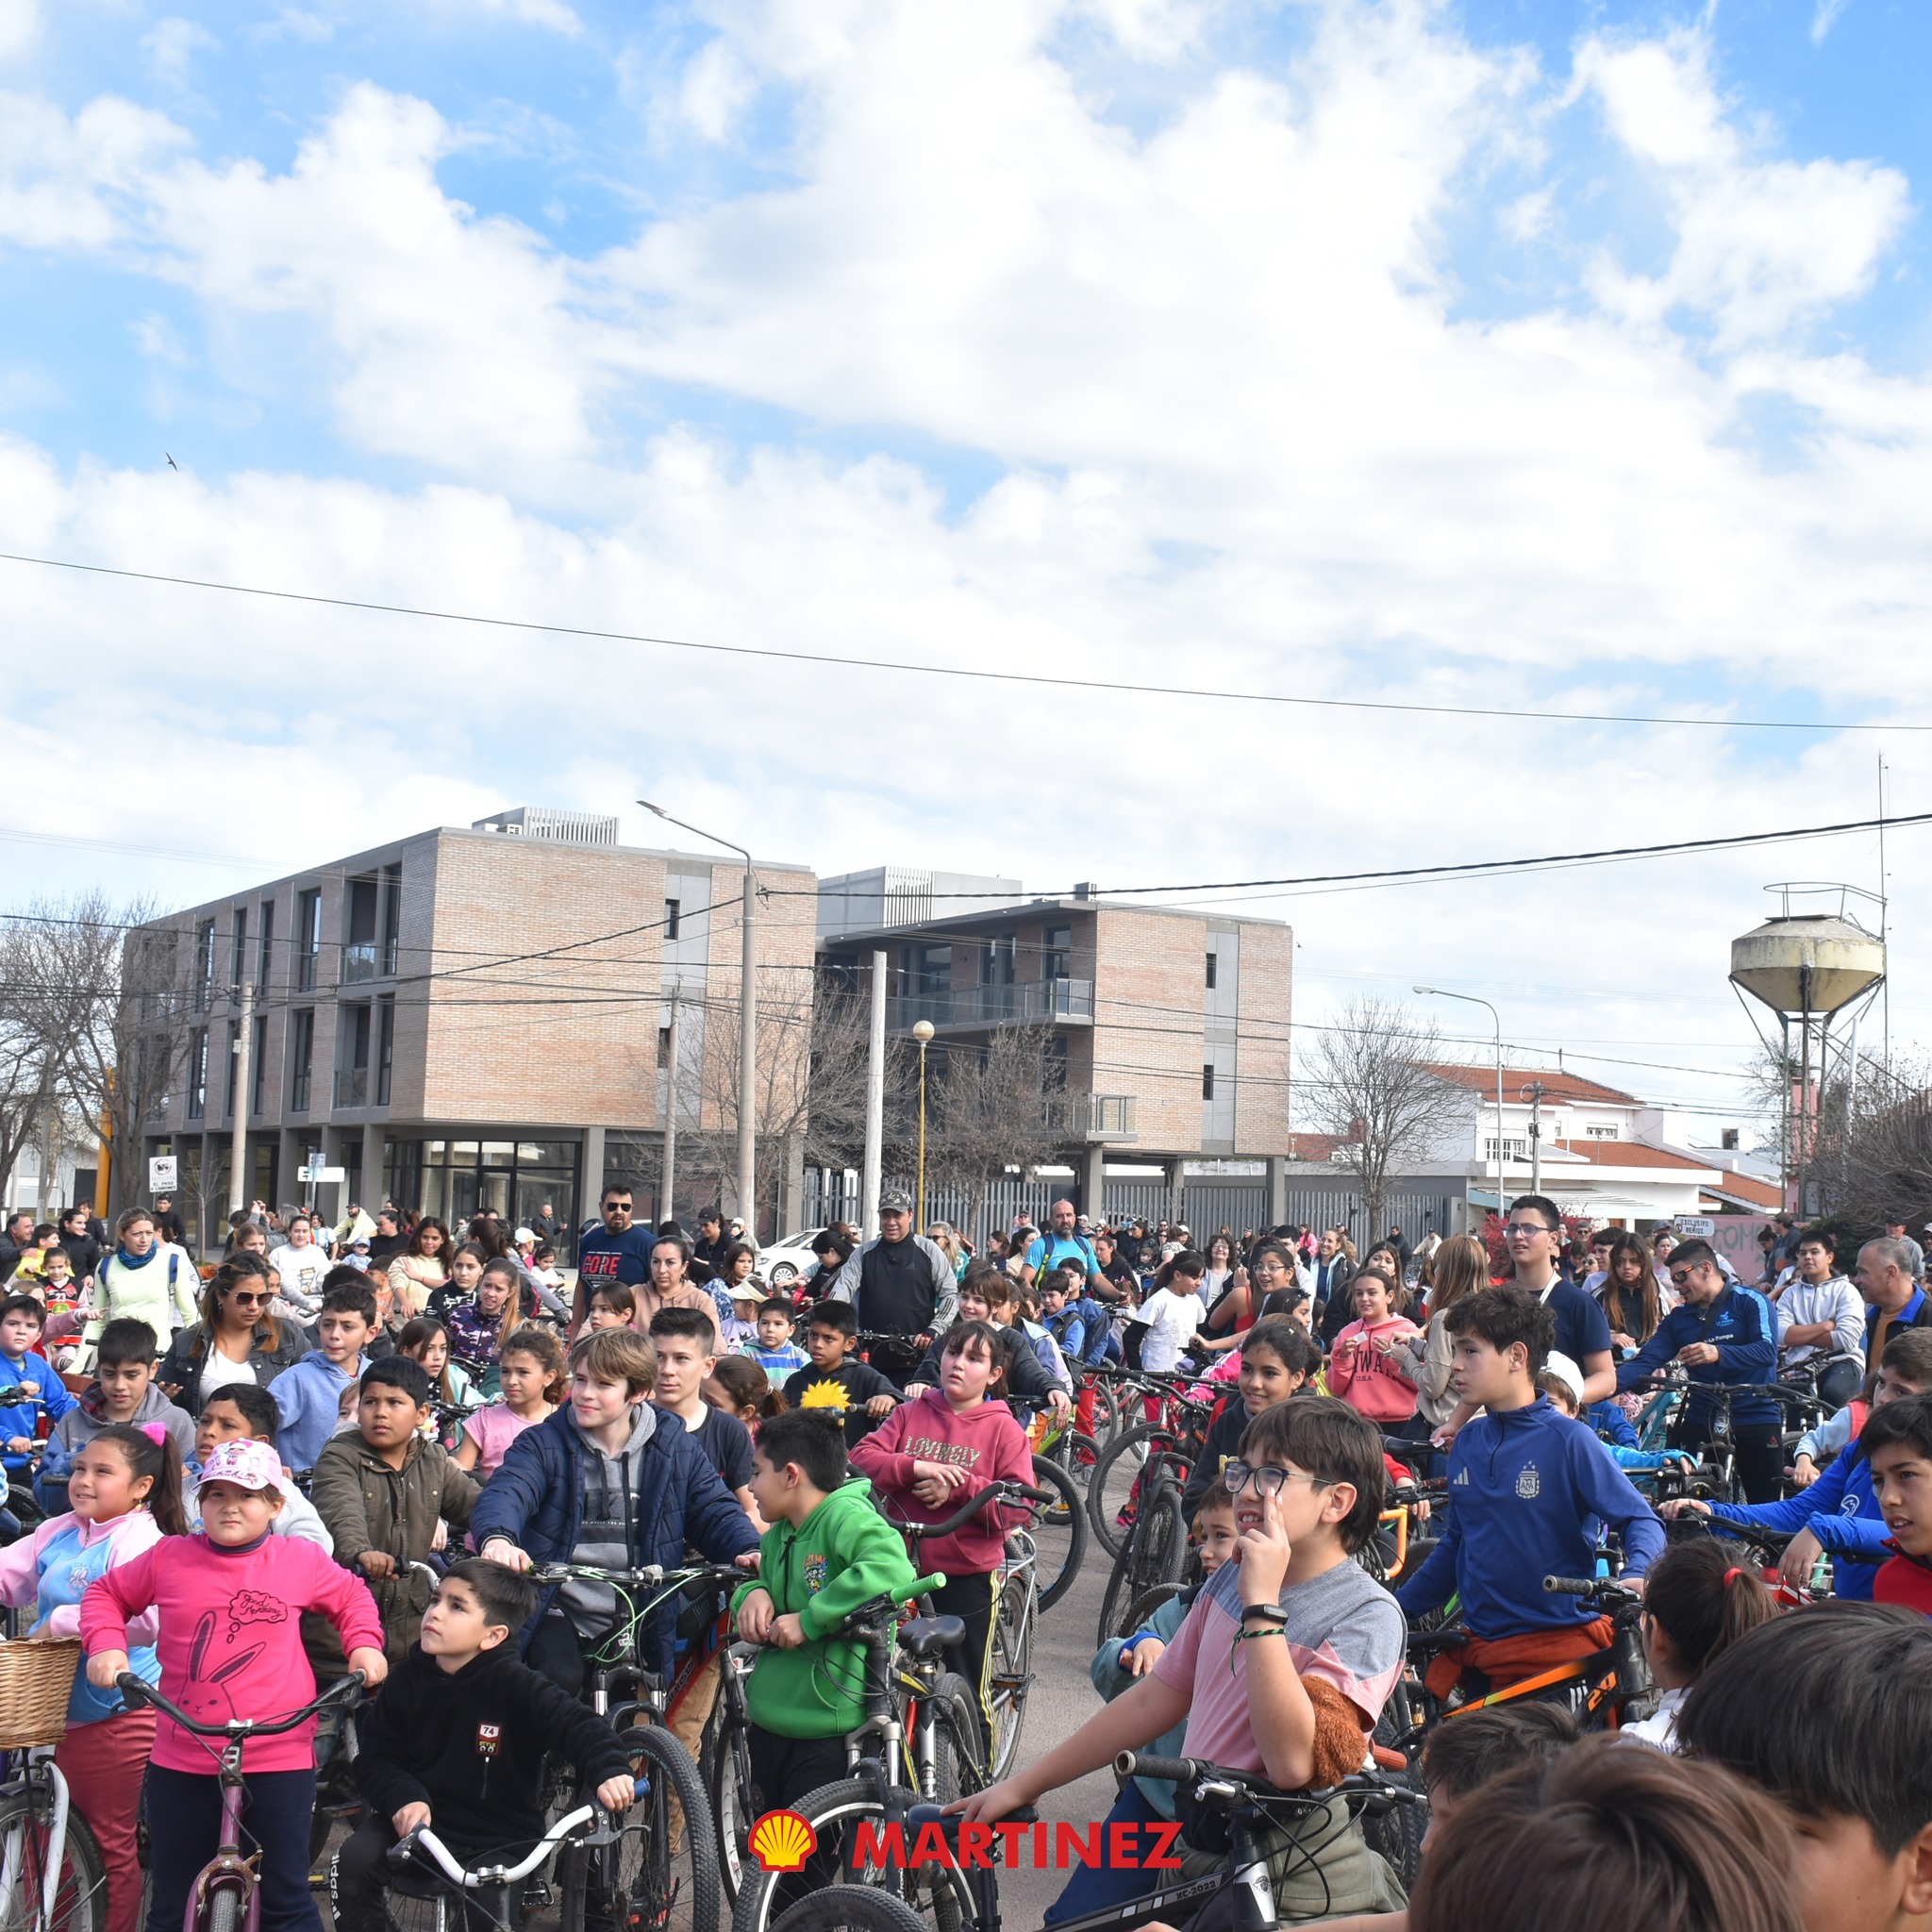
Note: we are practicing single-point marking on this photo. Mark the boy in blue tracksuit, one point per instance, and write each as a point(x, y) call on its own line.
point(1527, 1483)
point(30, 1386)
point(1075, 1320)
point(309, 1393)
point(1837, 1516)
point(1722, 1333)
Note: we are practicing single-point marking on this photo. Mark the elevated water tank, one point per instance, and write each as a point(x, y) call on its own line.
point(1807, 962)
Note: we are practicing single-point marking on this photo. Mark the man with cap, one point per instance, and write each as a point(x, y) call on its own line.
point(1895, 1231)
point(900, 1284)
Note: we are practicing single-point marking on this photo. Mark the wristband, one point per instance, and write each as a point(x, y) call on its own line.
point(1274, 1610)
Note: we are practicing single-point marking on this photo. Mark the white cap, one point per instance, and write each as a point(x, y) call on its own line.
point(1566, 1371)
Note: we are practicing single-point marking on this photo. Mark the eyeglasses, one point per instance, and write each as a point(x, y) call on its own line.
point(1266, 1478)
point(251, 1300)
point(1527, 1227)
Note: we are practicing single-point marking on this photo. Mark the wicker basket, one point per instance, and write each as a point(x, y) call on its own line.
point(35, 1681)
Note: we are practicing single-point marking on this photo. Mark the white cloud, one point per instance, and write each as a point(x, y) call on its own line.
point(171, 45)
point(550, 14)
point(1824, 17)
point(20, 26)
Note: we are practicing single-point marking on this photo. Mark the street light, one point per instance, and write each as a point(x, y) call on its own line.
point(1439, 992)
point(921, 1031)
point(747, 1047)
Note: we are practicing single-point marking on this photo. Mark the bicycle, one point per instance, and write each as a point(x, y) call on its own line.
point(426, 1872)
point(919, 1733)
point(1144, 1456)
point(52, 1876)
point(224, 1897)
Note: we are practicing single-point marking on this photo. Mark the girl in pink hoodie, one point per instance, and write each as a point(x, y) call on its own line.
point(230, 1602)
point(1361, 1369)
point(937, 1452)
point(124, 1494)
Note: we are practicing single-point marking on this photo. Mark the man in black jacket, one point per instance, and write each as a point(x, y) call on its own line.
point(455, 1740)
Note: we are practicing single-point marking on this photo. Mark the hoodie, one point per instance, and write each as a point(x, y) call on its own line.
point(844, 1554)
point(85, 1419)
point(32, 1376)
point(985, 1441)
point(469, 1743)
point(1840, 1511)
point(1526, 1487)
point(1373, 1384)
point(308, 1400)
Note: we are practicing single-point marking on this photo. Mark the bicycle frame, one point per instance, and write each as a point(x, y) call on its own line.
point(37, 1767)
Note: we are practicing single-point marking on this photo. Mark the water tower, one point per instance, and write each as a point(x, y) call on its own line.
point(1809, 967)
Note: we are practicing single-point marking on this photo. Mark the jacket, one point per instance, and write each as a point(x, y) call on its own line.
point(1743, 1330)
point(229, 1645)
point(1840, 1511)
point(1917, 1313)
point(536, 1500)
point(945, 1290)
point(163, 1291)
point(308, 1400)
point(819, 1571)
point(1525, 1485)
point(365, 1505)
point(469, 1743)
point(1027, 1381)
point(181, 1367)
point(31, 1375)
point(985, 1441)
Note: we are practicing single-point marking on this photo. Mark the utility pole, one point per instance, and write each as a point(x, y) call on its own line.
point(667, 1209)
point(874, 1103)
point(1534, 1094)
point(244, 1040)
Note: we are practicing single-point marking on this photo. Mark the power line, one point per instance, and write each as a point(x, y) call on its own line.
point(952, 671)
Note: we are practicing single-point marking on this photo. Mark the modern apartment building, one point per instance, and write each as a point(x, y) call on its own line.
point(1167, 1029)
point(477, 1017)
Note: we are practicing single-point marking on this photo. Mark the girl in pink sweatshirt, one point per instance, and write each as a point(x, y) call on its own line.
point(230, 1602)
point(124, 1495)
point(1361, 1370)
point(937, 1452)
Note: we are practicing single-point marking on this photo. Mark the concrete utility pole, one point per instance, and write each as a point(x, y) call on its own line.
point(238, 1162)
point(1534, 1094)
point(666, 1210)
point(1443, 993)
point(874, 1103)
point(748, 1031)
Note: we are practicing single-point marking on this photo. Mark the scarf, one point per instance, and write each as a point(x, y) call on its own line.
point(127, 1260)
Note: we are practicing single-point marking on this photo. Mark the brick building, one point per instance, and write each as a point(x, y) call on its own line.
point(479, 1016)
point(1168, 1028)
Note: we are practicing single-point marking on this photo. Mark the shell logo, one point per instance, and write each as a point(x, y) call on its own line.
point(782, 1841)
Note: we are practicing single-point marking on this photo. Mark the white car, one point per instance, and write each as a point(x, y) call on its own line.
point(783, 1262)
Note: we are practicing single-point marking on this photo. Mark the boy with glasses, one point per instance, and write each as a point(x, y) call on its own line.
point(1281, 1668)
point(1720, 1332)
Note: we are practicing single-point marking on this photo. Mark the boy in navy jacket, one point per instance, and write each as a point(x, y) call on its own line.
point(613, 1481)
point(1525, 1482)
point(1722, 1332)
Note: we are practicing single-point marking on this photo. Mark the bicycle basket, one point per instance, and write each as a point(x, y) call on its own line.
point(35, 1681)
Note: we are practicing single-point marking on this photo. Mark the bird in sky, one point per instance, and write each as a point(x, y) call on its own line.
point(172, 463)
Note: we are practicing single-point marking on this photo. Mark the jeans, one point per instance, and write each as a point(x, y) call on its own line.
point(1094, 1888)
point(183, 1823)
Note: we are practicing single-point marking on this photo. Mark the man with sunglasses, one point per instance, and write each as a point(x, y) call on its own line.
point(1722, 1332)
point(615, 1251)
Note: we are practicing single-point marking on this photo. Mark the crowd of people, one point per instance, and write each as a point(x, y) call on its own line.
point(370, 1434)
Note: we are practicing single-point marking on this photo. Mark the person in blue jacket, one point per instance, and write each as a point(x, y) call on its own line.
point(1526, 1484)
point(30, 1386)
point(1723, 1333)
point(612, 1481)
point(1837, 1516)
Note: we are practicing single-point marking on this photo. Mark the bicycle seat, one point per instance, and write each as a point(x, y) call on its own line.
point(924, 1636)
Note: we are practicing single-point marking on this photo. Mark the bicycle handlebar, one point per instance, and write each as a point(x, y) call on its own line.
point(1000, 1491)
point(1606, 1592)
point(423, 1838)
point(1196, 1771)
point(139, 1690)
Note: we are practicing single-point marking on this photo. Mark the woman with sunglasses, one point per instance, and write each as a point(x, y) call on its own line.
point(237, 1339)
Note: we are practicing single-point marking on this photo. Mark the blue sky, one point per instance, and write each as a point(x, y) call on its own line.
point(1571, 354)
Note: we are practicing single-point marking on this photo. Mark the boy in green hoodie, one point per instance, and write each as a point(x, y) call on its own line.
point(827, 1552)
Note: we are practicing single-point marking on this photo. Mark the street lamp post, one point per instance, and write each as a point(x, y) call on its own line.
point(1443, 993)
point(921, 1031)
point(748, 1027)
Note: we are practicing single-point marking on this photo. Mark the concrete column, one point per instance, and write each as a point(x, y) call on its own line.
point(1277, 1190)
point(287, 1158)
point(1093, 1182)
point(791, 1188)
point(591, 1184)
point(1177, 1181)
point(374, 1134)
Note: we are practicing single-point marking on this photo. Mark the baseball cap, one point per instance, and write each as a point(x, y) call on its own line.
point(1559, 1365)
point(247, 1464)
point(524, 1234)
point(895, 1201)
point(750, 1289)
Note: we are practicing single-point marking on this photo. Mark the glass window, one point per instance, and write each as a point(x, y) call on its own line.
point(499, 1154)
point(462, 1153)
point(268, 944)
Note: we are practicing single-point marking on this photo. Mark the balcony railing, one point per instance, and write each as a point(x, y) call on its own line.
point(1041, 1001)
point(1093, 1116)
point(359, 962)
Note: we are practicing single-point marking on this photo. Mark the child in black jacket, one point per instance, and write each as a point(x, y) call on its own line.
point(455, 1738)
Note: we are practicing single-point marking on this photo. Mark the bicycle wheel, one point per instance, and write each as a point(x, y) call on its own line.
point(735, 1807)
point(1397, 1833)
point(662, 1876)
point(850, 1909)
point(1112, 1489)
point(1155, 1553)
point(225, 1909)
point(937, 1896)
point(1059, 1533)
point(1014, 1617)
point(958, 1750)
point(81, 1880)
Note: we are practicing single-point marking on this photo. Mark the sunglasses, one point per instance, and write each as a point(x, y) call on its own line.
point(1681, 1276)
point(249, 1300)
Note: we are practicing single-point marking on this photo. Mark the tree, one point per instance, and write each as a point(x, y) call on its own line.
point(1374, 1088)
point(103, 992)
point(988, 1111)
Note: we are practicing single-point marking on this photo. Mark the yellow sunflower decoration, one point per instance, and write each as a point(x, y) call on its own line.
point(825, 1395)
